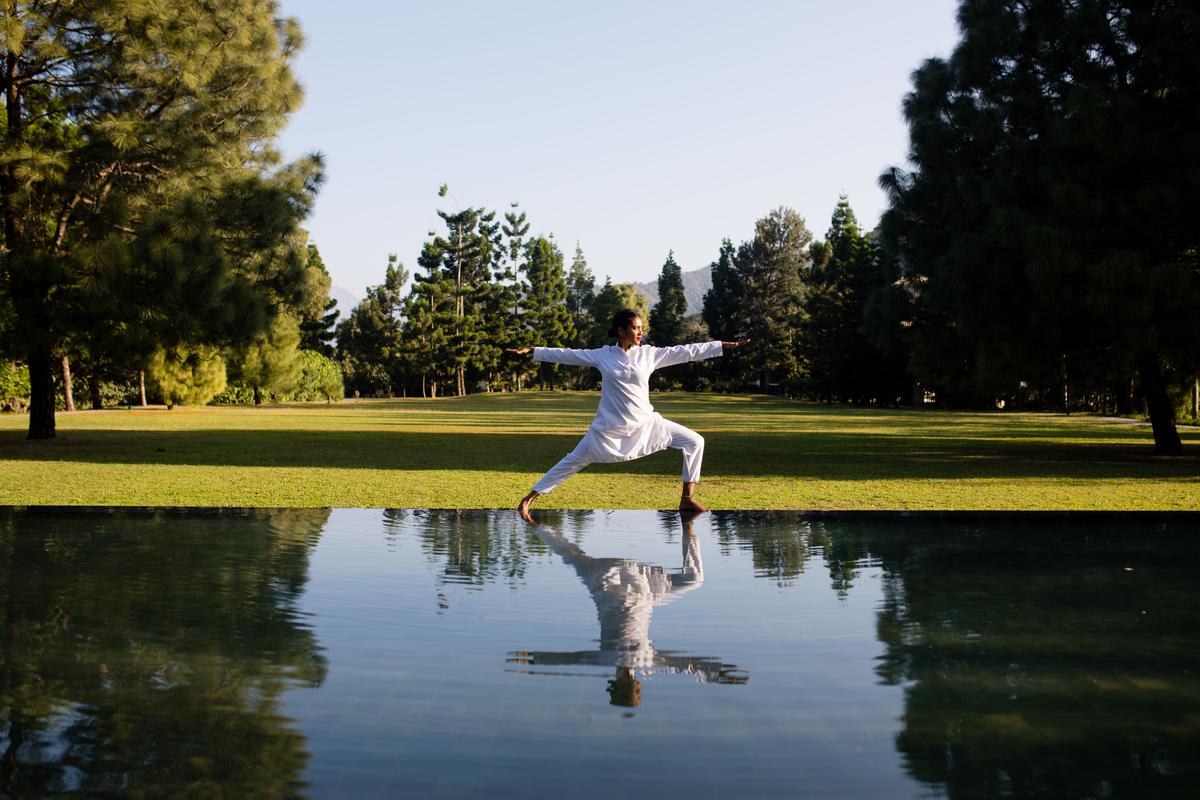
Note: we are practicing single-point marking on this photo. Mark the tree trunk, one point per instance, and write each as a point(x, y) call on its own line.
point(1196, 399)
point(41, 392)
point(433, 389)
point(142, 386)
point(1158, 406)
point(257, 396)
point(68, 391)
point(94, 390)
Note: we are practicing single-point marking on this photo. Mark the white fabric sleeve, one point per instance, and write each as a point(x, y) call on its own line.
point(683, 353)
point(565, 355)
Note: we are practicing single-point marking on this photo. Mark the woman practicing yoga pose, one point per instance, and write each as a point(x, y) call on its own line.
point(626, 425)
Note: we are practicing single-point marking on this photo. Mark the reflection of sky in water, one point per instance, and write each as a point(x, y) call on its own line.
point(390, 653)
point(419, 694)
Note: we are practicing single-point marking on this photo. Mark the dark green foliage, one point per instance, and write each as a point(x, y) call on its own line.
point(465, 262)
point(370, 347)
point(188, 376)
point(723, 302)
point(101, 619)
point(629, 297)
point(320, 378)
point(546, 313)
point(271, 363)
point(143, 204)
point(581, 290)
point(1047, 236)
point(722, 315)
point(14, 386)
point(666, 319)
point(318, 332)
point(838, 360)
point(607, 302)
point(770, 269)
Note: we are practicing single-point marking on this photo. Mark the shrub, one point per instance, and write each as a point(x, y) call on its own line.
point(320, 378)
point(14, 386)
point(189, 376)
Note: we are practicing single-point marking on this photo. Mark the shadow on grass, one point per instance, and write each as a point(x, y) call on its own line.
point(825, 455)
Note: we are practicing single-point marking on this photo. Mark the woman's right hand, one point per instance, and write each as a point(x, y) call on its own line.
point(519, 351)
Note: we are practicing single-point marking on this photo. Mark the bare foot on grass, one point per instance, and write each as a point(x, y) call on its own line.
point(687, 502)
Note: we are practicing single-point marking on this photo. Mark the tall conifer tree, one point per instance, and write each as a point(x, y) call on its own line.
point(318, 331)
point(546, 314)
point(666, 319)
point(581, 289)
point(770, 268)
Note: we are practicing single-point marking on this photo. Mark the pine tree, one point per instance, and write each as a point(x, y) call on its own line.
point(318, 332)
point(666, 320)
point(272, 362)
point(503, 313)
point(468, 256)
point(722, 310)
point(838, 360)
point(722, 313)
point(581, 289)
point(546, 313)
point(607, 302)
point(630, 297)
point(371, 346)
point(140, 191)
point(770, 269)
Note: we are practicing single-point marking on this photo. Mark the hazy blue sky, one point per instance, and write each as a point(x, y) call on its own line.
point(633, 128)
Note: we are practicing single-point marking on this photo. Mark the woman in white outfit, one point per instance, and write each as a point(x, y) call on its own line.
point(626, 425)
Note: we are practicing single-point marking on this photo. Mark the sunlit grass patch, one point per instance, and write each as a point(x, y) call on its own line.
point(485, 451)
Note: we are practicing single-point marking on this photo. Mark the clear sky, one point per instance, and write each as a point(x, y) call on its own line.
point(634, 128)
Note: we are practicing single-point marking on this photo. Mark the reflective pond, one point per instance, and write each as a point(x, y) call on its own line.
point(413, 652)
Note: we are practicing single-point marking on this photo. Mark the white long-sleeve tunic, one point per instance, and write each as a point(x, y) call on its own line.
point(626, 425)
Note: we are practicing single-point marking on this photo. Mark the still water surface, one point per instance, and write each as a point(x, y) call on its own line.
point(391, 653)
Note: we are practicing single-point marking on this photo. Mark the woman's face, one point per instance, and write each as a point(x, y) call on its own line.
point(631, 333)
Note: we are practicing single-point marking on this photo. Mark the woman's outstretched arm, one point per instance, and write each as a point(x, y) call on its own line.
point(558, 355)
point(683, 353)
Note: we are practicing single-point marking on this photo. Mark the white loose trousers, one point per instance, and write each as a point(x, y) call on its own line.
point(681, 438)
point(626, 425)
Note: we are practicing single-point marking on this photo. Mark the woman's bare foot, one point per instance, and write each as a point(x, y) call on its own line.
point(687, 503)
point(523, 507)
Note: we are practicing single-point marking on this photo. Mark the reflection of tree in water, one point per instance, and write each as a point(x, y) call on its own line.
point(1034, 664)
point(146, 653)
point(781, 545)
point(477, 547)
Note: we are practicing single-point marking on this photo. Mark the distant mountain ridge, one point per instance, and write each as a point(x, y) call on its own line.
point(346, 301)
point(695, 283)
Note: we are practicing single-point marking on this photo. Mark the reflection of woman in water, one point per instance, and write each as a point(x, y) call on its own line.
point(626, 425)
point(625, 593)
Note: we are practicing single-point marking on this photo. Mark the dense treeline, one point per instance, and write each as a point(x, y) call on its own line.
point(485, 285)
point(1043, 248)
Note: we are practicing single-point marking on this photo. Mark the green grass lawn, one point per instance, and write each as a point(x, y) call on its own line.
point(485, 451)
